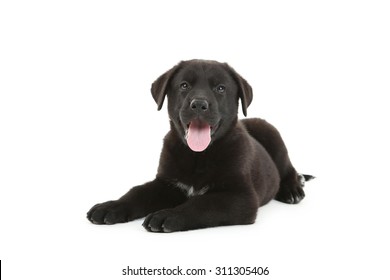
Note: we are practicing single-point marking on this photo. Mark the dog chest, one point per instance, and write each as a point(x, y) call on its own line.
point(190, 191)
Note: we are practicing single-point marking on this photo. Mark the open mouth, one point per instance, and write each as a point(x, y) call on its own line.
point(198, 135)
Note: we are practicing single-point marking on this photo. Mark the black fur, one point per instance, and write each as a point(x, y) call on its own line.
point(244, 167)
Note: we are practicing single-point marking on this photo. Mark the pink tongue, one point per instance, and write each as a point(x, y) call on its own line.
point(198, 137)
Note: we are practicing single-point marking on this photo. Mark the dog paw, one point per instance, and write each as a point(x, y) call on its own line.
point(108, 213)
point(290, 195)
point(164, 221)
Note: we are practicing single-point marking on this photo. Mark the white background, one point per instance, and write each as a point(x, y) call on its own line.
point(78, 126)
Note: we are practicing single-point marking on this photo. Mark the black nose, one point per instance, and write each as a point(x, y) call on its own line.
point(199, 105)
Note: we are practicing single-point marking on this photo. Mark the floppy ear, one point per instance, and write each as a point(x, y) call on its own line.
point(245, 90)
point(159, 87)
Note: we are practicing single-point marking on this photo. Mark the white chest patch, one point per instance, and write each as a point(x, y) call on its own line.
point(189, 190)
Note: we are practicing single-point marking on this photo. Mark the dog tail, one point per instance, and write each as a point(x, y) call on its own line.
point(305, 178)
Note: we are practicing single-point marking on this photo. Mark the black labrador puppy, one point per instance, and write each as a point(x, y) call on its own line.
point(214, 170)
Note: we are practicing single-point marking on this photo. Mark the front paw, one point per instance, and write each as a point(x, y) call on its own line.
point(165, 221)
point(109, 213)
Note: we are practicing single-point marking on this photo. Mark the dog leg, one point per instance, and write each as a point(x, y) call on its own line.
point(208, 210)
point(137, 203)
point(291, 187)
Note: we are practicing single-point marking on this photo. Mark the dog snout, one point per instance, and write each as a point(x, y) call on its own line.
point(199, 105)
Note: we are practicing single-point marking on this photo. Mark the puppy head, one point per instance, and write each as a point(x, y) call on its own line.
point(202, 99)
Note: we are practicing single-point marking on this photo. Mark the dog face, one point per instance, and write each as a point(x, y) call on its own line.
point(202, 100)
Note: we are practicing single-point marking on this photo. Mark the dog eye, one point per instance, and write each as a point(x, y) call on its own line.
point(184, 86)
point(221, 89)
